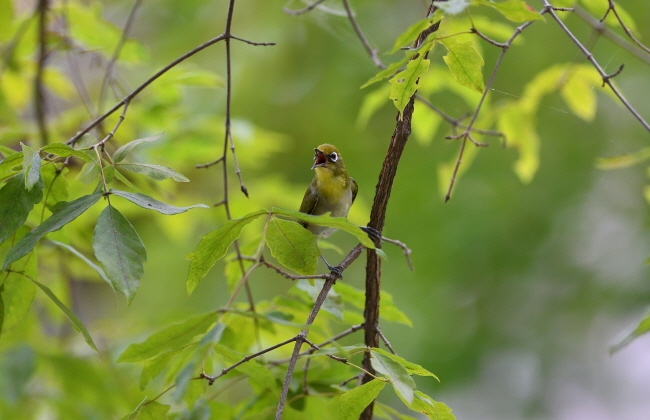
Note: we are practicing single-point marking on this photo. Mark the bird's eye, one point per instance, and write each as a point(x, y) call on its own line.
point(333, 157)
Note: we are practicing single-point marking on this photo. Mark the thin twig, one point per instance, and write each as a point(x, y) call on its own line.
point(612, 8)
point(548, 9)
point(364, 41)
point(456, 122)
point(108, 75)
point(39, 90)
point(303, 10)
point(385, 340)
point(405, 249)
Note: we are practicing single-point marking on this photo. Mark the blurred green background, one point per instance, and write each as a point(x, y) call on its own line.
point(518, 290)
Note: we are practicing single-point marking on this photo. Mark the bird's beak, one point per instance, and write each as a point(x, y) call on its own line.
point(319, 159)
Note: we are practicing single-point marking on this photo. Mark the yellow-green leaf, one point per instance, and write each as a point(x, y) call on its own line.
point(292, 245)
point(353, 402)
point(405, 83)
point(514, 10)
point(465, 63)
point(623, 161)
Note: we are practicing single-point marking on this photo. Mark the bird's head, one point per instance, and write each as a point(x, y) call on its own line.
point(328, 158)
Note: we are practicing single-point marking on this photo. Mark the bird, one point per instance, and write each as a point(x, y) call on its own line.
point(331, 190)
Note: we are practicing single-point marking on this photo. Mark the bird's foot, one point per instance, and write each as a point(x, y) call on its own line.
point(373, 234)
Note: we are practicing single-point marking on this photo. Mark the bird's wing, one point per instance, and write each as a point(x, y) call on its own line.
point(309, 202)
point(355, 189)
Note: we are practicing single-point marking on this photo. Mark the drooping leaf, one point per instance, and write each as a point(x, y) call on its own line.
point(213, 247)
point(123, 151)
point(399, 377)
point(15, 204)
point(405, 83)
point(31, 166)
point(411, 368)
point(519, 129)
point(642, 328)
point(326, 220)
point(120, 250)
point(465, 63)
point(579, 91)
point(623, 161)
point(85, 259)
point(292, 245)
point(63, 213)
point(147, 202)
point(353, 402)
point(168, 339)
point(63, 150)
point(434, 410)
point(157, 172)
point(77, 325)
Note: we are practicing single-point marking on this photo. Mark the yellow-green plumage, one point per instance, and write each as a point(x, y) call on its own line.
point(331, 190)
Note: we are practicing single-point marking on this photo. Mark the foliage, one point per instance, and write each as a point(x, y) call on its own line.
point(55, 169)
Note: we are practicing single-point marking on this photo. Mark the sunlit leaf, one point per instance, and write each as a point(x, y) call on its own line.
point(465, 63)
point(326, 220)
point(119, 248)
point(157, 172)
point(411, 34)
point(77, 325)
point(405, 83)
point(123, 151)
point(292, 245)
point(433, 410)
point(399, 377)
point(579, 91)
point(150, 203)
point(31, 166)
point(63, 213)
point(353, 402)
point(168, 339)
point(514, 10)
point(411, 368)
point(519, 128)
point(623, 161)
point(424, 124)
point(15, 204)
point(213, 247)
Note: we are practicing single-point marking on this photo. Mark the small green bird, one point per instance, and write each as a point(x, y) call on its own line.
point(331, 190)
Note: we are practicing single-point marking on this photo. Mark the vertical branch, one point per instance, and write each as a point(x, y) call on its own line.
point(39, 91)
point(377, 218)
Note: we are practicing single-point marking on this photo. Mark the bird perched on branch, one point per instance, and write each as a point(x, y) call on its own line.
point(331, 190)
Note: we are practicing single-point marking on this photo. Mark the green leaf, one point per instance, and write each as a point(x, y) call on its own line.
point(213, 247)
point(326, 220)
point(465, 63)
point(411, 368)
point(123, 151)
point(89, 173)
point(388, 71)
point(63, 150)
point(10, 164)
point(77, 325)
point(353, 402)
point(623, 161)
point(119, 248)
point(292, 245)
point(31, 166)
point(153, 367)
point(7, 151)
point(514, 10)
point(168, 339)
point(411, 34)
point(157, 172)
point(519, 128)
point(63, 213)
point(579, 93)
point(15, 204)
point(434, 410)
point(399, 377)
point(85, 259)
point(16, 292)
point(642, 328)
point(405, 83)
point(55, 185)
point(151, 410)
point(147, 202)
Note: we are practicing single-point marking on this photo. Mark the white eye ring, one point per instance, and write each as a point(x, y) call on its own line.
point(333, 157)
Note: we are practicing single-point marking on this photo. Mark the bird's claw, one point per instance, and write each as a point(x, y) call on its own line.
point(373, 234)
